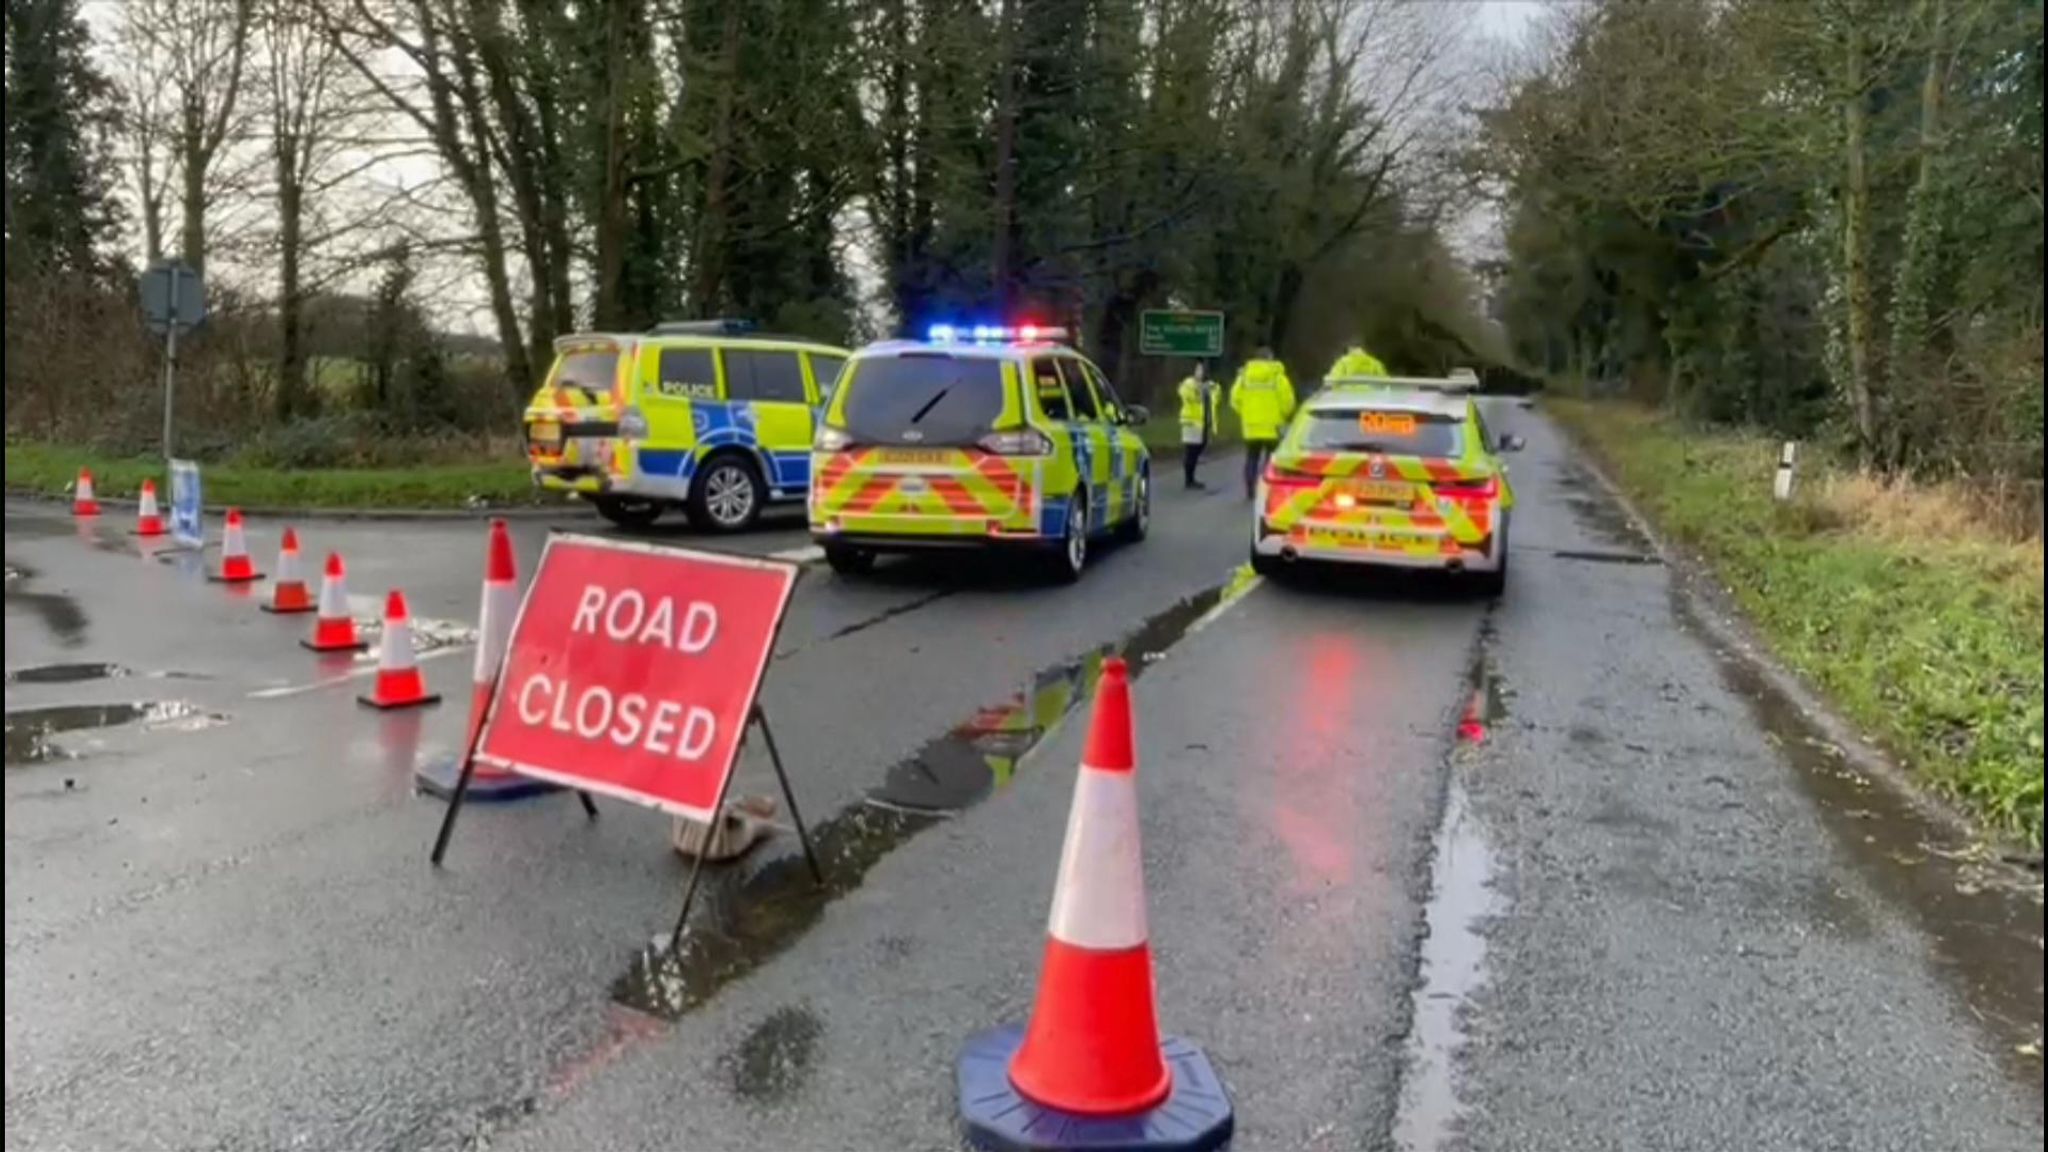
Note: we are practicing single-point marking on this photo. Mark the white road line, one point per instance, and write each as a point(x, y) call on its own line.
point(369, 668)
point(1238, 591)
point(808, 554)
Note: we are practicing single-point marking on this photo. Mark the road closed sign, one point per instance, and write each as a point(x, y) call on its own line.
point(632, 670)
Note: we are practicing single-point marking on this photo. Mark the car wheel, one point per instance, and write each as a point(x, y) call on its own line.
point(1139, 525)
point(727, 494)
point(1494, 584)
point(628, 511)
point(1071, 556)
point(849, 561)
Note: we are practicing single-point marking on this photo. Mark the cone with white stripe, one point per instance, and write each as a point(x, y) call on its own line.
point(399, 683)
point(500, 607)
point(288, 594)
point(335, 630)
point(149, 520)
point(235, 565)
point(1091, 1071)
point(83, 501)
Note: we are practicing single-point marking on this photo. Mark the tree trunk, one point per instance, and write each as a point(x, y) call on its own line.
point(291, 353)
point(611, 219)
point(707, 255)
point(1002, 251)
point(1915, 283)
point(1856, 240)
point(192, 203)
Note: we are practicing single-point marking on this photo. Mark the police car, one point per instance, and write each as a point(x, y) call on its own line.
point(974, 438)
point(1392, 476)
point(710, 416)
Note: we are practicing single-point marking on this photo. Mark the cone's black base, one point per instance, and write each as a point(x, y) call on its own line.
point(1196, 1115)
point(382, 706)
point(274, 610)
point(251, 578)
point(358, 646)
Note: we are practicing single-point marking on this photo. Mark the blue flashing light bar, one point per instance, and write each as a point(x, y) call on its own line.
point(994, 334)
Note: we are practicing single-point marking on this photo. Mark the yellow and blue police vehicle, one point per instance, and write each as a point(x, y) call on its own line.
point(977, 438)
point(710, 416)
point(1390, 476)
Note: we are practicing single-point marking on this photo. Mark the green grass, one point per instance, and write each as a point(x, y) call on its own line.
point(50, 470)
point(1924, 628)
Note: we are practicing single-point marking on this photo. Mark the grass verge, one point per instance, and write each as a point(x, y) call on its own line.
point(1922, 623)
point(50, 470)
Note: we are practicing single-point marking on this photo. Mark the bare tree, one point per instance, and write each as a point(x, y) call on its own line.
point(197, 51)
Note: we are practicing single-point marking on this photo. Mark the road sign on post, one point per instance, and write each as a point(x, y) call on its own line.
point(1178, 333)
point(173, 301)
point(188, 528)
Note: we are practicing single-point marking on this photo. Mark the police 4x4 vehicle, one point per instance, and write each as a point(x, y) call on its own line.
point(1393, 476)
point(984, 437)
point(709, 415)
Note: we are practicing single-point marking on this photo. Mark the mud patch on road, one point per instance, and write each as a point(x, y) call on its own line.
point(744, 920)
point(32, 732)
point(1984, 917)
point(58, 611)
point(80, 673)
point(1589, 556)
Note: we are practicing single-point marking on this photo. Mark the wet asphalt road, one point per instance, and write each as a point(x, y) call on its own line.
point(1648, 911)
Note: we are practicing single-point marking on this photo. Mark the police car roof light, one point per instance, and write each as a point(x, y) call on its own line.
point(994, 334)
point(724, 326)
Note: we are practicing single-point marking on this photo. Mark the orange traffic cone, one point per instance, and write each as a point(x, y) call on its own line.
point(437, 777)
point(288, 594)
point(235, 565)
point(335, 630)
point(148, 520)
point(399, 683)
point(83, 502)
point(1091, 1071)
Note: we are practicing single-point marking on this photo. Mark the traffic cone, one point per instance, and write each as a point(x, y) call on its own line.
point(438, 776)
point(83, 502)
point(288, 594)
point(1091, 1071)
point(148, 521)
point(235, 565)
point(399, 683)
point(335, 630)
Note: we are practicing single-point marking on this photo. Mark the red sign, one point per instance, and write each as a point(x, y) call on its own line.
point(632, 670)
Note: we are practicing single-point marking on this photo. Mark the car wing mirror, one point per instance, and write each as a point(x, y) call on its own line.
point(1512, 443)
point(1137, 414)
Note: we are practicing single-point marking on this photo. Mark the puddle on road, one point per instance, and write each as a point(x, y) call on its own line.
point(1591, 556)
point(31, 732)
point(742, 922)
point(59, 613)
point(1984, 917)
point(774, 1061)
point(1461, 899)
point(79, 673)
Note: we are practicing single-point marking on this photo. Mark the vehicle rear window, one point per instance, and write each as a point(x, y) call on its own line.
point(943, 399)
point(758, 374)
point(592, 370)
point(1390, 431)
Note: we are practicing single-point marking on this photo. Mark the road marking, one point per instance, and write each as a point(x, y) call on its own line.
point(367, 668)
point(1240, 586)
point(808, 554)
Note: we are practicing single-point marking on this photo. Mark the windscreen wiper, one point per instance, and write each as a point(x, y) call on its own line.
point(931, 404)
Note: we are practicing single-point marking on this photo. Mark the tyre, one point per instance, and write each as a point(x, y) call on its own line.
point(1267, 566)
point(628, 511)
point(1493, 585)
point(727, 494)
point(849, 561)
point(1139, 525)
point(1070, 557)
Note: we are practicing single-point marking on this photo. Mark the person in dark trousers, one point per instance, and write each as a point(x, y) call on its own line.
point(1263, 398)
point(1197, 421)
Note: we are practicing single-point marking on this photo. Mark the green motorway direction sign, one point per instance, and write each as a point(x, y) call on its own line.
point(1194, 334)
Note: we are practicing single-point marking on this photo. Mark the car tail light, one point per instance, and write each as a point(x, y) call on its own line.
point(830, 439)
point(1278, 478)
point(632, 424)
point(1470, 492)
point(1023, 442)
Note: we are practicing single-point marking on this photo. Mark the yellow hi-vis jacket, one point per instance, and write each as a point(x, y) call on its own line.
point(1198, 407)
point(1357, 362)
point(1263, 399)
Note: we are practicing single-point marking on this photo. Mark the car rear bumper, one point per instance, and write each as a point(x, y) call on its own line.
point(869, 538)
point(1421, 550)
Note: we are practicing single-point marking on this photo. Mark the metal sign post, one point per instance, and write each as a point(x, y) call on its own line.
point(173, 301)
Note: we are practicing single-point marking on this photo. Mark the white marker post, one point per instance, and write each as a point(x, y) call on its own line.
point(1781, 485)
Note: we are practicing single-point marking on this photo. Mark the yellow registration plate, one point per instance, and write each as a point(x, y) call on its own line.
point(915, 456)
point(545, 432)
point(1356, 538)
point(1385, 492)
